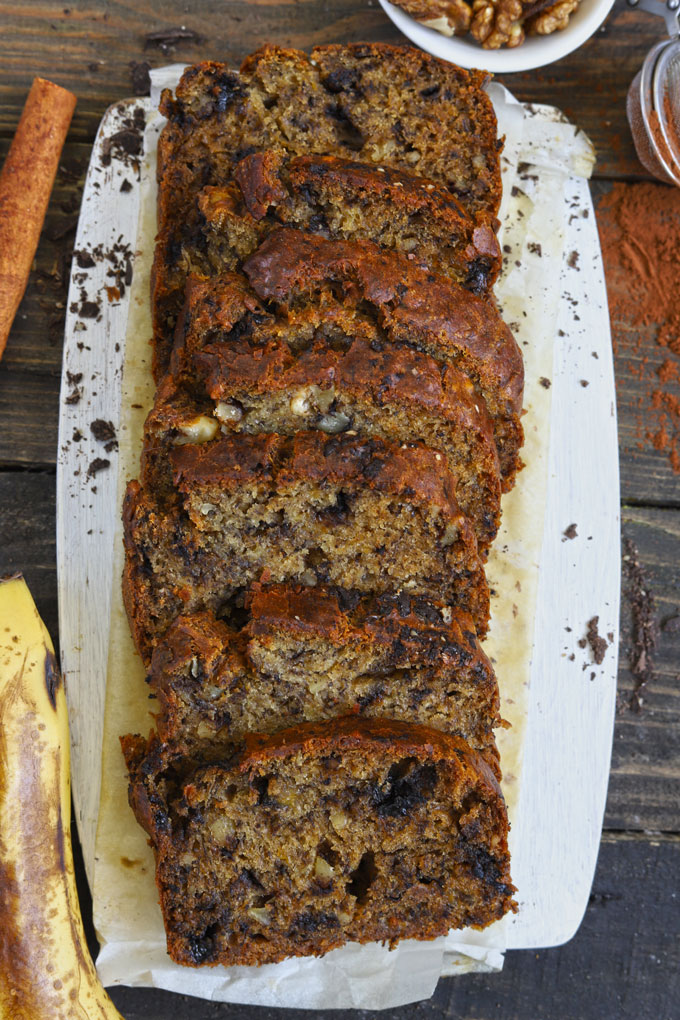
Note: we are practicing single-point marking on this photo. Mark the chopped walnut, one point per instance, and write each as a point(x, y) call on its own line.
point(552, 19)
point(452, 17)
point(497, 23)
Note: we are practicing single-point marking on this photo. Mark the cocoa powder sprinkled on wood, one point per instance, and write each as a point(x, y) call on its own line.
point(640, 236)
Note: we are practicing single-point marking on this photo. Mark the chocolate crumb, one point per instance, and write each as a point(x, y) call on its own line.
point(570, 532)
point(584, 382)
point(83, 259)
point(89, 309)
point(535, 248)
point(598, 644)
point(77, 436)
point(582, 642)
point(545, 383)
point(103, 431)
point(139, 75)
point(572, 260)
point(126, 186)
point(98, 464)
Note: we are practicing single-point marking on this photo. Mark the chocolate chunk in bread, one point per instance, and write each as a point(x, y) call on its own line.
point(350, 831)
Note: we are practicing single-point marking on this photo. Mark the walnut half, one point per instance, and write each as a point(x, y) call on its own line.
point(552, 19)
point(497, 23)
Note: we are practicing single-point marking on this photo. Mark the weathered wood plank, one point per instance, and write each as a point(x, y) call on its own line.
point(28, 536)
point(29, 408)
point(644, 788)
point(87, 47)
point(622, 962)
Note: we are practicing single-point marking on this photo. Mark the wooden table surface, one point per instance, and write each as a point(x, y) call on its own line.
point(625, 959)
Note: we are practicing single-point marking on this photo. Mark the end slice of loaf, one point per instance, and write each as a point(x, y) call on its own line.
point(353, 831)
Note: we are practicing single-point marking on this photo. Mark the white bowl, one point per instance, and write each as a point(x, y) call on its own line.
point(535, 51)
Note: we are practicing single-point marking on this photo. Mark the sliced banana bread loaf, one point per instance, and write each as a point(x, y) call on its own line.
point(303, 658)
point(323, 834)
point(414, 307)
point(342, 198)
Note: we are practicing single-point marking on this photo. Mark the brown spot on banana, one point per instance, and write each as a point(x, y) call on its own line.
point(52, 677)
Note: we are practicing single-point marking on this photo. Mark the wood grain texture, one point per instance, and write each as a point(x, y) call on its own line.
point(621, 966)
point(644, 787)
point(27, 536)
point(89, 49)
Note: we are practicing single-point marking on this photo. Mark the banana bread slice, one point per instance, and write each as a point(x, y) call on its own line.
point(358, 513)
point(303, 658)
point(350, 831)
point(342, 198)
point(397, 394)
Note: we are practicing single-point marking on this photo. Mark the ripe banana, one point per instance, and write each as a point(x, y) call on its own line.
point(46, 972)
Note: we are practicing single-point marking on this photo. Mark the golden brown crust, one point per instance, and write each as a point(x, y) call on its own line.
point(414, 627)
point(413, 473)
point(346, 199)
point(290, 262)
point(395, 393)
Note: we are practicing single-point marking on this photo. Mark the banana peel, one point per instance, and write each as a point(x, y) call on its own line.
point(46, 972)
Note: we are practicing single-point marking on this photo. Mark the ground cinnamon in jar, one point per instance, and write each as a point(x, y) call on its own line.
point(640, 236)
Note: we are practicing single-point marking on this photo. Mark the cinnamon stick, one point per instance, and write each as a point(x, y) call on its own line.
point(25, 187)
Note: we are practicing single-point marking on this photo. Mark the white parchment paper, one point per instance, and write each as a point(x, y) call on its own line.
point(541, 153)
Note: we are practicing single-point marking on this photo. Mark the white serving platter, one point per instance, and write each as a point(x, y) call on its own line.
point(571, 701)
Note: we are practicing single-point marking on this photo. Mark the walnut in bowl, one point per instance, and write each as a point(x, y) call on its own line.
point(500, 35)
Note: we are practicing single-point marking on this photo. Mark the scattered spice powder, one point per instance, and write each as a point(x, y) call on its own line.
point(640, 236)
